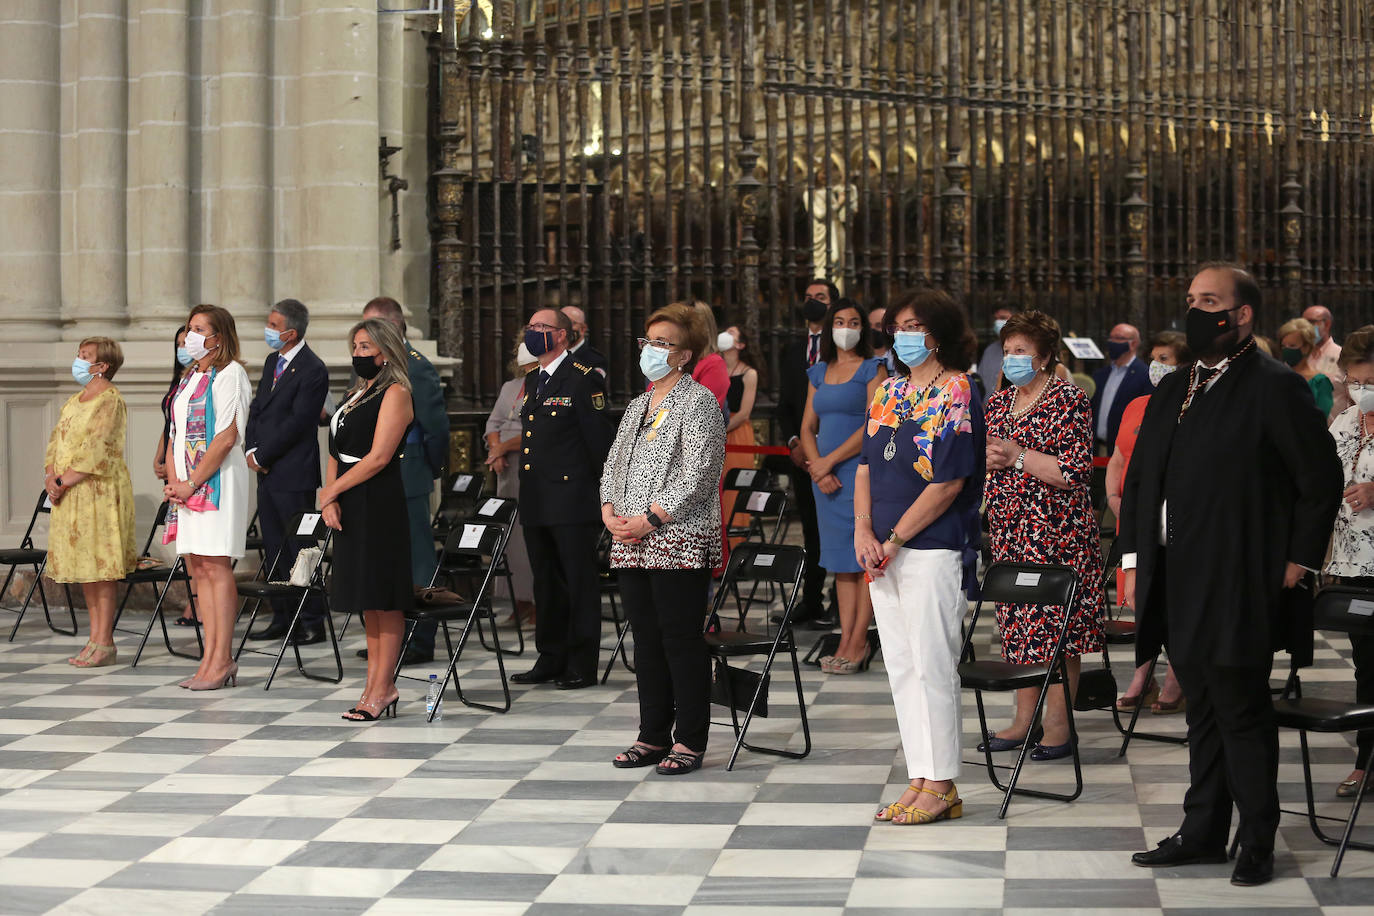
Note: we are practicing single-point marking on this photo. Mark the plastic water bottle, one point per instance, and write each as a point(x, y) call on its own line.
point(434, 701)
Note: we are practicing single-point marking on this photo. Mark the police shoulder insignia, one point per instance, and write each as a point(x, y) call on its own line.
point(581, 368)
point(598, 401)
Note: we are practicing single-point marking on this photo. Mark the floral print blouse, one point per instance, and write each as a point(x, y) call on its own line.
point(671, 455)
point(1352, 542)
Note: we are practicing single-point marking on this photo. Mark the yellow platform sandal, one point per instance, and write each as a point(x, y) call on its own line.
point(916, 815)
point(891, 811)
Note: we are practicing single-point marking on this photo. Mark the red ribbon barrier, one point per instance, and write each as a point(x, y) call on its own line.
point(759, 449)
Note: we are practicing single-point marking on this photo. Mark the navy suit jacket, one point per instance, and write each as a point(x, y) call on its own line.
point(1135, 384)
point(283, 422)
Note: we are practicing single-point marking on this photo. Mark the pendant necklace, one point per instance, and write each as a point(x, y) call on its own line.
point(890, 450)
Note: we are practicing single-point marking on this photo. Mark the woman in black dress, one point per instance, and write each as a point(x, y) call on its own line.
point(364, 500)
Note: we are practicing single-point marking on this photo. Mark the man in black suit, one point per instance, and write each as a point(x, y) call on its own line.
point(799, 355)
point(1121, 381)
point(566, 435)
point(1229, 501)
point(579, 346)
point(283, 449)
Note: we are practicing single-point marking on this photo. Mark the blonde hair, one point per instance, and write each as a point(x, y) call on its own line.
point(225, 329)
point(107, 351)
point(385, 338)
point(1303, 328)
point(708, 324)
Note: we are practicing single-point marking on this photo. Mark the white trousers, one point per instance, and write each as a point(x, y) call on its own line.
point(918, 603)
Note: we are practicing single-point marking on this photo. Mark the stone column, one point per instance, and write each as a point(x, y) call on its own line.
point(243, 210)
point(98, 302)
point(30, 257)
point(163, 292)
point(337, 144)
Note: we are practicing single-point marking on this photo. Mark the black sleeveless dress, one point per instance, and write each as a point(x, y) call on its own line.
point(372, 553)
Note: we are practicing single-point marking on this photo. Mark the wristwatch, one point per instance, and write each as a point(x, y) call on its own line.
point(893, 538)
point(1020, 464)
point(653, 519)
point(58, 481)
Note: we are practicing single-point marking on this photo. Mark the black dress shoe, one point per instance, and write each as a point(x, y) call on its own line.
point(416, 656)
point(535, 675)
point(1253, 867)
point(361, 653)
point(574, 682)
point(1171, 852)
point(308, 636)
point(271, 631)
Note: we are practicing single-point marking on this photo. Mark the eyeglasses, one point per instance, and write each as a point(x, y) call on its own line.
point(540, 328)
point(1360, 388)
point(908, 326)
point(657, 344)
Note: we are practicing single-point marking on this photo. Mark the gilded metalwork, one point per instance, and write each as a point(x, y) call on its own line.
point(1076, 157)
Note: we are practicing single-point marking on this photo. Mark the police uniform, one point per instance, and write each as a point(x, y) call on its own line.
point(565, 435)
point(426, 448)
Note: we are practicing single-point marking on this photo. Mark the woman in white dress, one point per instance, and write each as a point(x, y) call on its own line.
point(208, 482)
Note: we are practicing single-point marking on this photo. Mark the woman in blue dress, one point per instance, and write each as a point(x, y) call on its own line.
point(842, 386)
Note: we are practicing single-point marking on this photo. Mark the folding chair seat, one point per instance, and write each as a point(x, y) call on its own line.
point(499, 510)
point(1337, 609)
point(28, 554)
point(1023, 583)
point(483, 541)
point(782, 566)
point(159, 579)
point(306, 529)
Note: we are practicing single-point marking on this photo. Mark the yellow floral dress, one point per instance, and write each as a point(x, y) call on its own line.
point(92, 534)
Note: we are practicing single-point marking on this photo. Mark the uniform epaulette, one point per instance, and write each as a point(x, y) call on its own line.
point(414, 353)
point(581, 368)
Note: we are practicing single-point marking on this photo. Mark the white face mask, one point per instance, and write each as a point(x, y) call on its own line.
point(846, 338)
point(195, 345)
point(523, 356)
point(725, 341)
point(1158, 370)
point(1363, 395)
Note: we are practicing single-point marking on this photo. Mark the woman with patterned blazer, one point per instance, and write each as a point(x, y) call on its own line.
point(659, 498)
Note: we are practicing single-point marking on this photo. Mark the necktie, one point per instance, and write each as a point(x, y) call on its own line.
point(276, 373)
point(813, 352)
point(539, 387)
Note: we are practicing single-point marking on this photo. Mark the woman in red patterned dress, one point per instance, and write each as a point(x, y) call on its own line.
point(1040, 511)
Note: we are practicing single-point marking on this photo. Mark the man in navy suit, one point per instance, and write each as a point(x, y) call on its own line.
point(283, 448)
point(1121, 381)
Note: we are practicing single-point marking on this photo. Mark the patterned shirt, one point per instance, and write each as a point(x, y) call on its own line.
point(1352, 542)
point(671, 455)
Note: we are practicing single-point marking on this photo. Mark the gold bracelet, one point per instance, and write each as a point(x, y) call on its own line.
point(869, 517)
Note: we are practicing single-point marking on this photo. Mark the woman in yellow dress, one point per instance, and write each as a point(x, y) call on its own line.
point(91, 538)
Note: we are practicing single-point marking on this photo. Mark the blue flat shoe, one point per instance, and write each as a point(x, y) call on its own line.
point(995, 744)
point(1052, 751)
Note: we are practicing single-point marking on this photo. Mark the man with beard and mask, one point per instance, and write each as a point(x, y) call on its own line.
point(798, 355)
point(1121, 381)
point(877, 335)
point(1229, 501)
point(565, 435)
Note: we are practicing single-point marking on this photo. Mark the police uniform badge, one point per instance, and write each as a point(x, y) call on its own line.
point(598, 401)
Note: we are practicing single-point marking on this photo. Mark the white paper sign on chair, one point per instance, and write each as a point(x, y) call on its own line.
point(745, 478)
point(757, 500)
point(307, 526)
point(472, 537)
point(461, 483)
point(490, 506)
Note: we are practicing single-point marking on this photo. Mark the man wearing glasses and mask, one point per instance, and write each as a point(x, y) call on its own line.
point(565, 435)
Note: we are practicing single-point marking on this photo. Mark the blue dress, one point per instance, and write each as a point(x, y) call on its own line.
point(842, 409)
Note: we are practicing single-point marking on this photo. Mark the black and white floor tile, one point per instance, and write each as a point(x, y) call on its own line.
point(120, 793)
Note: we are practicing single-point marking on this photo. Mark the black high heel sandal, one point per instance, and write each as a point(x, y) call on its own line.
point(358, 714)
point(639, 755)
point(679, 763)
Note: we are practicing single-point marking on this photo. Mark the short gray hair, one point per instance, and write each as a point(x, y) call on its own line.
point(296, 314)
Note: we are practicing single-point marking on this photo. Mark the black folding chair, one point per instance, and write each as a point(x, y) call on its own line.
point(306, 529)
point(609, 584)
point(767, 511)
point(1045, 586)
point(1119, 632)
point(1338, 609)
point(500, 510)
point(783, 566)
point(159, 579)
point(478, 541)
point(742, 481)
point(457, 501)
point(26, 554)
point(254, 541)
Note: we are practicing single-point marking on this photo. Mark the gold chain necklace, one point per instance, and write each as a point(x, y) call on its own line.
point(890, 450)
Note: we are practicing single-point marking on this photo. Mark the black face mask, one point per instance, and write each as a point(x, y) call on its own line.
point(814, 310)
point(365, 367)
point(1210, 333)
point(879, 338)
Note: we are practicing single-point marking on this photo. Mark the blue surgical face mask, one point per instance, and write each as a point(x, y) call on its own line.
point(184, 356)
point(81, 371)
point(910, 347)
point(1018, 369)
point(273, 338)
point(999, 324)
point(653, 362)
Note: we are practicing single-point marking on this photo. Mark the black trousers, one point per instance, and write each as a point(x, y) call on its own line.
point(813, 583)
point(666, 609)
point(1233, 756)
point(567, 592)
point(275, 509)
point(1363, 647)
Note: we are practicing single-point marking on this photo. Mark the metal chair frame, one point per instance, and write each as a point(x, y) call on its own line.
point(160, 580)
point(27, 554)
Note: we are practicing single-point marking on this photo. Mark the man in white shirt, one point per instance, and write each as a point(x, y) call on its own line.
point(1326, 358)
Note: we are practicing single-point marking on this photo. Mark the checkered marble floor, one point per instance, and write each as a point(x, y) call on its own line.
point(120, 793)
